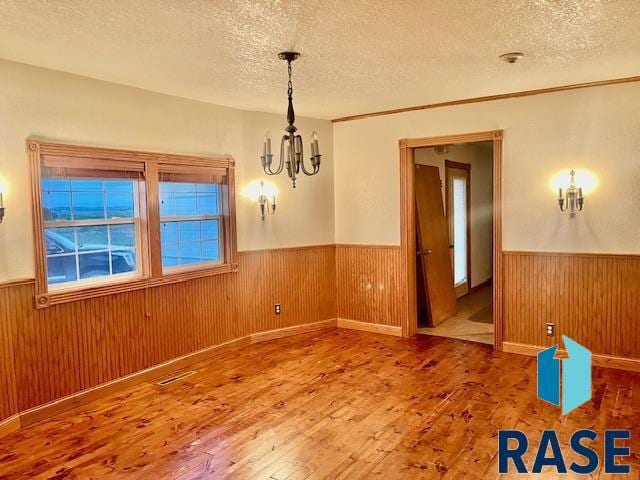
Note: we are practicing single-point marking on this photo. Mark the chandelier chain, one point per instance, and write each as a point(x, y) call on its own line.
point(290, 86)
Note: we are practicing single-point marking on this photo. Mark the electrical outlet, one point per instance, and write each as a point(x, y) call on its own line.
point(277, 309)
point(551, 329)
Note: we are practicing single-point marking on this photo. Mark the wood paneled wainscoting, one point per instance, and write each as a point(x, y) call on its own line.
point(368, 288)
point(54, 358)
point(75, 347)
point(8, 392)
point(592, 298)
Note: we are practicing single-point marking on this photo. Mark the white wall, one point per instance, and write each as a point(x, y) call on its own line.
point(69, 108)
point(481, 221)
point(596, 128)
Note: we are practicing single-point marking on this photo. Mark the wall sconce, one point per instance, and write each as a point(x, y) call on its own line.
point(266, 200)
point(264, 194)
point(573, 201)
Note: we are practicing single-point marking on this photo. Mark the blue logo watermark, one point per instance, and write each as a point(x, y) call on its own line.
point(565, 383)
point(576, 376)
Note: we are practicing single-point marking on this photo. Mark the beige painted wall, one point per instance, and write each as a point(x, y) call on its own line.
point(481, 228)
point(70, 108)
point(597, 129)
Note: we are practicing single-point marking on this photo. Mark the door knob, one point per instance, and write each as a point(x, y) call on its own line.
point(427, 252)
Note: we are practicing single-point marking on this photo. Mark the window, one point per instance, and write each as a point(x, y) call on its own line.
point(459, 214)
point(111, 220)
point(91, 228)
point(190, 222)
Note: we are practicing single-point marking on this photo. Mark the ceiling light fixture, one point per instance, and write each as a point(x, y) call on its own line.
point(511, 57)
point(291, 151)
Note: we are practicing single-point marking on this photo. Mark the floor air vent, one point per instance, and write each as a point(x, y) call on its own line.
point(175, 378)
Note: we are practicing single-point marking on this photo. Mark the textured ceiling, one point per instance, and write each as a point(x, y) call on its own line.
point(358, 56)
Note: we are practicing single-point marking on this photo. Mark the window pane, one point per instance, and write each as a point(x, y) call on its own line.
point(190, 241)
point(87, 205)
point(120, 204)
point(210, 251)
point(210, 230)
point(80, 185)
point(119, 186)
point(181, 187)
point(460, 230)
point(166, 187)
point(60, 240)
point(190, 253)
point(207, 205)
point(94, 264)
point(92, 238)
point(189, 231)
point(186, 204)
point(56, 184)
point(61, 269)
point(167, 205)
point(56, 205)
point(123, 260)
point(188, 199)
point(123, 236)
point(169, 232)
point(210, 188)
point(170, 255)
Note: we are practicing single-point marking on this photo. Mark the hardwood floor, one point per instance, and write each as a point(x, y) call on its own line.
point(339, 404)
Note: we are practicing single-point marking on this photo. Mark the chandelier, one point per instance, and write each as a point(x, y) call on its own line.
point(291, 151)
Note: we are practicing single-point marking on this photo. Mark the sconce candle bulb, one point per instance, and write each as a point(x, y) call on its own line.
point(1, 205)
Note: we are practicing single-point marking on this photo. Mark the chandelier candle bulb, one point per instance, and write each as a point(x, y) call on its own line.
point(298, 145)
point(266, 148)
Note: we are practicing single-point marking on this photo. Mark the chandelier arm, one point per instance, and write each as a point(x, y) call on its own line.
point(268, 169)
point(563, 205)
point(316, 169)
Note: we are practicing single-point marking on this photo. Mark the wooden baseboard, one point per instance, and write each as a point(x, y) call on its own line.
point(43, 412)
point(369, 327)
point(9, 425)
point(608, 361)
point(486, 283)
point(295, 330)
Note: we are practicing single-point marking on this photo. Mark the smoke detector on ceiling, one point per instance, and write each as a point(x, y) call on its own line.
point(511, 57)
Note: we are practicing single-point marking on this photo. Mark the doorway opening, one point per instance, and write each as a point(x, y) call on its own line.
point(451, 244)
point(454, 222)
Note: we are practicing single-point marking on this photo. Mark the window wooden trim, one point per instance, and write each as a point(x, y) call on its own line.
point(57, 155)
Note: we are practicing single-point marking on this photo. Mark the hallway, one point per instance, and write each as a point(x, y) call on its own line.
point(472, 322)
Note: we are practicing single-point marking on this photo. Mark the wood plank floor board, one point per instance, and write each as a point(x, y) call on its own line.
point(335, 404)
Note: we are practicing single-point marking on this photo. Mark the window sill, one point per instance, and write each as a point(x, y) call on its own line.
point(57, 297)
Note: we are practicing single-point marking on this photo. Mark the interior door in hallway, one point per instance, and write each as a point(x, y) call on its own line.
point(433, 245)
